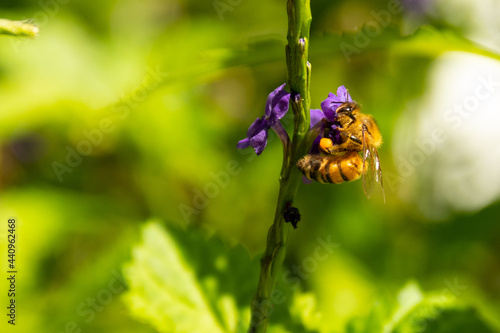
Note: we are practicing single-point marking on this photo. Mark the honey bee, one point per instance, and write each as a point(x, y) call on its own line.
point(338, 163)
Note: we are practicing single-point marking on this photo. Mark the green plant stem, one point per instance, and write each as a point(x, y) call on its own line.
point(299, 74)
point(18, 28)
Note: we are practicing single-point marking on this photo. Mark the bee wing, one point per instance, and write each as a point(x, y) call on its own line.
point(378, 171)
point(368, 165)
point(372, 171)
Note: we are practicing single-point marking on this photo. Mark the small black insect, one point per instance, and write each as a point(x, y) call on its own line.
point(291, 215)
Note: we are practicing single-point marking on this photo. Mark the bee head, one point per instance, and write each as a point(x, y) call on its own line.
point(348, 109)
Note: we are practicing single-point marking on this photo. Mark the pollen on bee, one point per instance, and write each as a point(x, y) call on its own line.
point(325, 144)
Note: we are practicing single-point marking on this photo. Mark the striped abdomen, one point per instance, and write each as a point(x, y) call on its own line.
point(332, 169)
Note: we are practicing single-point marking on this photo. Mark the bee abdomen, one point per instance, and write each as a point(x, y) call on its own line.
point(352, 166)
point(331, 169)
point(323, 169)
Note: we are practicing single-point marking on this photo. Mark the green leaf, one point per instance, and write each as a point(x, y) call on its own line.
point(305, 308)
point(414, 312)
point(387, 310)
point(434, 316)
point(181, 282)
point(427, 42)
point(408, 298)
point(164, 289)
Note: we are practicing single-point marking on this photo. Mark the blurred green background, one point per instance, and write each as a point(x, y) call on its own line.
point(122, 112)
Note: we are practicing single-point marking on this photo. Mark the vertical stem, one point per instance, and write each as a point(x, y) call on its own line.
point(299, 74)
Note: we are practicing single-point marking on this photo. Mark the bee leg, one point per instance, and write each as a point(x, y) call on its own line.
point(329, 147)
point(349, 142)
point(351, 116)
point(356, 140)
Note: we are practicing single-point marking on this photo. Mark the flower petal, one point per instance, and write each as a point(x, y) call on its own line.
point(306, 180)
point(334, 134)
point(315, 145)
point(277, 104)
point(258, 125)
point(331, 104)
point(343, 95)
point(242, 144)
point(316, 116)
point(259, 141)
point(329, 107)
point(282, 104)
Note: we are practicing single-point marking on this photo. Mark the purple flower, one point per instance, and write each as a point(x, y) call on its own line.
point(331, 104)
point(316, 117)
point(328, 116)
point(328, 129)
point(276, 108)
